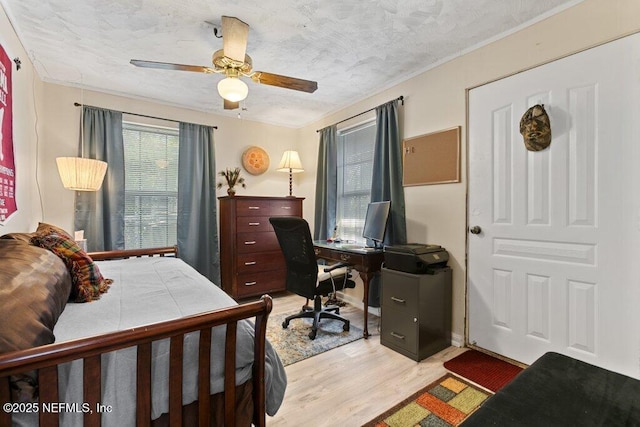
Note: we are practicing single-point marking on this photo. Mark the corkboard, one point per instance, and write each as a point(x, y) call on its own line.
point(433, 158)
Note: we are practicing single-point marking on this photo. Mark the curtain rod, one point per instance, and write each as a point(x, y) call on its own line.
point(400, 98)
point(139, 115)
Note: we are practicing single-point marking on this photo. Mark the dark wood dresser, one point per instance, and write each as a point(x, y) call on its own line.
point(251, 262)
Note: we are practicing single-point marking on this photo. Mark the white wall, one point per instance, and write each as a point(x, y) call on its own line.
point(436, 100)
point(27, 92)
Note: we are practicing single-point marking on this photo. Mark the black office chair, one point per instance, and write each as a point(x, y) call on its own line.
point(305, 277)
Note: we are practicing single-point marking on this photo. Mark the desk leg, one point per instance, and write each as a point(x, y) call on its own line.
point(365, 280)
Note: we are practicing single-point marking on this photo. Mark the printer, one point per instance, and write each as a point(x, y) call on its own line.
point(415, 258)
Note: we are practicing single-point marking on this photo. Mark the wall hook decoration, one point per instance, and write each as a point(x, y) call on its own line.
point(18, 63)
point(535, 128)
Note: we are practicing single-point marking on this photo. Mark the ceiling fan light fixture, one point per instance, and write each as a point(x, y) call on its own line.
point(233, 89)
point(232, 61)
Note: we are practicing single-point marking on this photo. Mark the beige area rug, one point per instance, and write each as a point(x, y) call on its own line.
point(293, 344)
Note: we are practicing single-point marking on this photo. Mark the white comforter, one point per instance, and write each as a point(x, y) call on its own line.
point(144, 291)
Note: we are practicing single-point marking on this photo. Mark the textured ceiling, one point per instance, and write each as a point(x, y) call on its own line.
point(352, 48)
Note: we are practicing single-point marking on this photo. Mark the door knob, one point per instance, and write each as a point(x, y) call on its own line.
point(475, 229)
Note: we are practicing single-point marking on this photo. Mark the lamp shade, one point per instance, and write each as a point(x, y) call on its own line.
point(81, 174)
point(233, 89)
point(290, 162)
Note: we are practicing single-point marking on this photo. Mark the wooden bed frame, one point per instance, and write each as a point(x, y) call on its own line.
point(47, 358)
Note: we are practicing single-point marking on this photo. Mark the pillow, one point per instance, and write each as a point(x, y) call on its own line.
point(87, 282)
point(34, 289)
point(22, 237)
point(44, 228)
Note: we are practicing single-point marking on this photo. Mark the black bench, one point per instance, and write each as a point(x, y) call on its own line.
point(557, 390)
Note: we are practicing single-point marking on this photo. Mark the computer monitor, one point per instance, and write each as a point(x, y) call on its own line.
point(375, 223)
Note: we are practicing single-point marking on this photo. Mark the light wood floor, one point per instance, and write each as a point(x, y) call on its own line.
point(350, 385)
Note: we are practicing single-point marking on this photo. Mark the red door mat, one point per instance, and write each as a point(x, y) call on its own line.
point(482, 369)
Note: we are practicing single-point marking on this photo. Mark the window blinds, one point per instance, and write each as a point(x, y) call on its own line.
point(355, 167)
point(151, 185)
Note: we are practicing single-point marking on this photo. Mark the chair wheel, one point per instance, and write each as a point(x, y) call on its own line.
point(312, 335)
point(345, 327)
point(285, 325)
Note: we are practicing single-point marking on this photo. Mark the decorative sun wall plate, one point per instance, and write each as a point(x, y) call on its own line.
point(255, 160)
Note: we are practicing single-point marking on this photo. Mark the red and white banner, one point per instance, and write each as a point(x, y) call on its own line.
point(7, 165)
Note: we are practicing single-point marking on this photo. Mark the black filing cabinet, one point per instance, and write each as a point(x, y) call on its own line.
point(416, 312)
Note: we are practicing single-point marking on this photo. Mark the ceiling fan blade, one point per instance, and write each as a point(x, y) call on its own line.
point(230, 105)
point(234, 38)
point(169, 66)
point(284, 81)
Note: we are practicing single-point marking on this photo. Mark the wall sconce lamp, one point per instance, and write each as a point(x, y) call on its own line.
point(290, 162)
point(81, 174)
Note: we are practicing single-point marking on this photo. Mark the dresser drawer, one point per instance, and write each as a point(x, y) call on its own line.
point(253, 208)
point(253, 223)
point(257, 242)
point(285, 207)
point(399, 330)
point(260, 283)
point(269, 208)
point(260, 261)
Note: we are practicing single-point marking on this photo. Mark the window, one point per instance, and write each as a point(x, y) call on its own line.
point(355, 168)
point(151, 186)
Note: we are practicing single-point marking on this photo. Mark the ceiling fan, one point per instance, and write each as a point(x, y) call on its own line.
point(233, 62)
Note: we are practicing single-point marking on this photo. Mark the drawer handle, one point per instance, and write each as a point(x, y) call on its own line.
point(250, 263)
point(398, 300)
point(250, 242)
point(254, 224)
point(396, 335)
point(316, 251)
point(250, 283)
point(286, 207)
point(345, 257)
point(254, 208)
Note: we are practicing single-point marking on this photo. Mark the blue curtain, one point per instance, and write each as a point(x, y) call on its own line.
point(101, 213)
point(386, 182)
point(197, 223)
point(326, 184)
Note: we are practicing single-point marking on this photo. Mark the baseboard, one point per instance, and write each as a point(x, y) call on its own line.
point(456, 339)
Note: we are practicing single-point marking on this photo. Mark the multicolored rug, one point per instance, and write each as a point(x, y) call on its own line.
point(446, 402)
point(293, 344)
point(482, 369)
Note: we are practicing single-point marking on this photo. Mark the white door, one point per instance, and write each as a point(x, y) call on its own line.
point(555, 265)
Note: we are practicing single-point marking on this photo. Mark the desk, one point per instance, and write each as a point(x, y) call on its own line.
point(366, 262)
